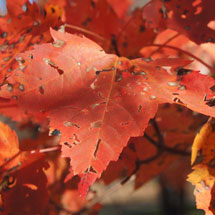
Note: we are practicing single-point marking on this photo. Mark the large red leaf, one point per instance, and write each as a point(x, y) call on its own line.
point(98, 101)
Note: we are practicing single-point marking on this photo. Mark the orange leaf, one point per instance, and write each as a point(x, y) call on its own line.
point(9, 146)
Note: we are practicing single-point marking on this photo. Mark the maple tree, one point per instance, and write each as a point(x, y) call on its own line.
point(116, 91)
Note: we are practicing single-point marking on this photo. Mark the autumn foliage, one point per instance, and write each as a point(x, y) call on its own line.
point(105, 92)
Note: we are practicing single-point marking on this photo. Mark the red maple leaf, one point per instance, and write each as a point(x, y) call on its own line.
point(97, 100)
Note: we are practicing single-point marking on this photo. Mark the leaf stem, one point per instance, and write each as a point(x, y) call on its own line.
point(169, 40)
point(10, 159)
point(85, 31)
point(184, 52)
point(51, 149)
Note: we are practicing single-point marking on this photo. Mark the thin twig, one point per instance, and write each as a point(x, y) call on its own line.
point(139, 163)
point(168, 41)
point(184, 52)
point(150, 139)
point(86, 32)
point(161, 141)
point(51, 149)
point(10, 159)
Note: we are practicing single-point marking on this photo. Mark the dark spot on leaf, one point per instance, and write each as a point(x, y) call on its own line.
point(140, 108)
point(182, 71)
point(142, 28)
point(118, 77)
point(179, 109)
point(132, 147)
point(124, 123)
point(124, 44)
point(31, 56)
point(212, 124)
point(92, 170)
point(177, 100)
point(52, 64)
point(211, 163)
point(4, 34)
point(213, 88)
point(212, 201)
point(185, 11)
point(210, 102)
point(187, 27)
point(98, 72)
point(53, 10)
point(45, 13)
point(115, 44)
point(86, 21)
point(20, 60)
point(29, 30)
point(41, 90)
point(199, 158)
point(60, 71)
point(101, 95)
point(67, 144)
point(93, 4)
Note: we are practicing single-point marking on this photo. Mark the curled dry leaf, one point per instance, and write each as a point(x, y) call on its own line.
point(9, 146)
point(203, 175)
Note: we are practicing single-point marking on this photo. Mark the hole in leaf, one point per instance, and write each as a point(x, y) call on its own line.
point(10, 87)
point(140, 108)
point(68, 124)
point(55, 133)
point(97, 148)
point(96, 124)
point(31, 186)
point(90, 169)
point(21, 87)
point(67, 144)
